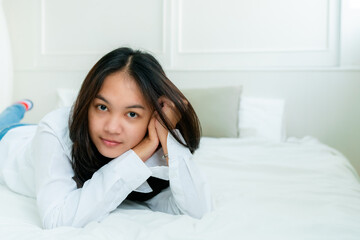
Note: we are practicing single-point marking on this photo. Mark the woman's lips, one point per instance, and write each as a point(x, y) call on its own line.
point(110, 143)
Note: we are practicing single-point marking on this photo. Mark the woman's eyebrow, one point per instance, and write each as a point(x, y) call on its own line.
point(102, 98)
point(127, 107)
point(136, 106)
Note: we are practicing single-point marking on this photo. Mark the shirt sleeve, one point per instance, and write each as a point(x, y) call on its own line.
point(189, 192)
point(61, 203)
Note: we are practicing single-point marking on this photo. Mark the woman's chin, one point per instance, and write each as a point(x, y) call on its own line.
point(111, 153)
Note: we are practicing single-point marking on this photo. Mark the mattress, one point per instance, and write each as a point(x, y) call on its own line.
point(297, 189)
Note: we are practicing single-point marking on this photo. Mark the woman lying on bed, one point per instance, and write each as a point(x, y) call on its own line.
point(130, 135)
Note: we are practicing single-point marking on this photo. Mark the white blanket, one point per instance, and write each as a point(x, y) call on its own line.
point(299, 189)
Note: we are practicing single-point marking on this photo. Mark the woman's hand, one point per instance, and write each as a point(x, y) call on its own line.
point(172, 113)
point(146, 148)
point(157, 132)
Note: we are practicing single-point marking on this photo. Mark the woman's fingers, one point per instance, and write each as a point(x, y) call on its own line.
point(170, 111)
point(148, 145)
point(162, 133)
point(152, 128)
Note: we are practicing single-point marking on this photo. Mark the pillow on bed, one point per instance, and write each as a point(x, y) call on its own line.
point(262, 118)
point(217, 109)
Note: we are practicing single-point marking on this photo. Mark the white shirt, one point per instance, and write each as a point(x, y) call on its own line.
point(36, 161)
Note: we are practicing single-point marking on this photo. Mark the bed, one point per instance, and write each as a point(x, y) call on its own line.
point(264, 185)
point(298, 189)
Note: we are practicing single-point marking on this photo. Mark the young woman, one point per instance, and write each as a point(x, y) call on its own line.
point(130, 135)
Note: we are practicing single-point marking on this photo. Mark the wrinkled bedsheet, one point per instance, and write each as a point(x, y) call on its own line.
point(298, 189)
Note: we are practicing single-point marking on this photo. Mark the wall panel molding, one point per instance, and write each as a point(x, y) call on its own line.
point(211, 39)
point(350, 33)
point(183, 34)
point(77, 41)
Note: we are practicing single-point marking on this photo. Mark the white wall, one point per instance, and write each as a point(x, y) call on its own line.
point(6, 71)
point(306, 52)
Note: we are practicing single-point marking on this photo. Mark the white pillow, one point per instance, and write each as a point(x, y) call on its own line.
point(262, 118)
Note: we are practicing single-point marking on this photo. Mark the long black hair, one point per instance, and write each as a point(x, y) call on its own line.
point(153, 83)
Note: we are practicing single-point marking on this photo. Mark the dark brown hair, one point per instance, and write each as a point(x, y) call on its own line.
point(153, 83)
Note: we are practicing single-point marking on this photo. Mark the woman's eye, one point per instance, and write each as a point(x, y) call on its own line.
point(132, 115)
point(102, 107)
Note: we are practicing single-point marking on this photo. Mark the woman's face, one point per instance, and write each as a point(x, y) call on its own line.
point(118, 116)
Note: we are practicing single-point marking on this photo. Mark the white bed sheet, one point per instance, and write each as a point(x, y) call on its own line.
point(299, 189)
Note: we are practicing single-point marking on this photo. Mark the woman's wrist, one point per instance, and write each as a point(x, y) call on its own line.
point(166, 158)
point(145, 149)
point(165, 149)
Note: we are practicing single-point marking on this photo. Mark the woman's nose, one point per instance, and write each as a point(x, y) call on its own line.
point(114, 125)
